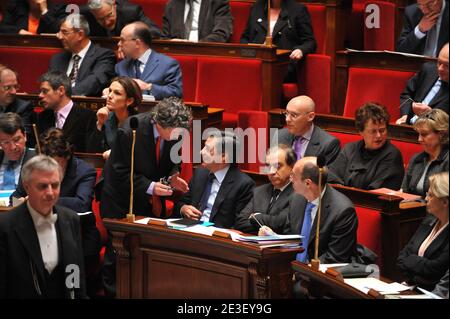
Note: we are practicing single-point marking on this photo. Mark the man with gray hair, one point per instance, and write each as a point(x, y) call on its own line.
point(107, 17)
point(218, 190)
point(89, 67)
point(41, 256)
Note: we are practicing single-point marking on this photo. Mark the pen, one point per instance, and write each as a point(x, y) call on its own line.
point(253, 216)
point(407, 100)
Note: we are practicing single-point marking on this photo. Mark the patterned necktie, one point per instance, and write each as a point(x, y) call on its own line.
point(189, 19)
point(305, 232)
point(298, 142)
point(74, 73)
point(59, 123)
point(273, 199)
point(9, 176)
point(206, 193)
point(137, 69)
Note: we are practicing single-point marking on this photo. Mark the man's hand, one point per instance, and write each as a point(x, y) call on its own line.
point(178, 183)
point(190, 212)
point(431, 10)
point(402, 120)
point(106, 154)
point(161, 189)
point(265, 231)
point(22, 31)
point(119, 54)
point(144, 86)
point(102, 116)
point(297, 54)
point(419, 108)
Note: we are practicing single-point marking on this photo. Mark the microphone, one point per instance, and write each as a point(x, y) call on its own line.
point(36, 135)
point(134, 124)
point(315, 262)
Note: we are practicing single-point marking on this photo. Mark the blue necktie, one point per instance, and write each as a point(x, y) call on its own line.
point(137, 68)
point(305, 232)
point(206, 193)
point(9, 176)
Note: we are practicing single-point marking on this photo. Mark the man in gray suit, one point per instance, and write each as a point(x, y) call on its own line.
point(271, 199)
point(305, 138)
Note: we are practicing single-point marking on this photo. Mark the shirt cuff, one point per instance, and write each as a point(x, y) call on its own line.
point(419, 34)
point(150, 188)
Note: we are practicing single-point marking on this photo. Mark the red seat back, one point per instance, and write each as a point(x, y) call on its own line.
point(188, 66)
point(407, 149)
point(96, 210)
point(369, 229)
point(345, 138)
point(373, 85)
point(154, 9)
point(240, 10)
point(318, 13)
point(381, 38)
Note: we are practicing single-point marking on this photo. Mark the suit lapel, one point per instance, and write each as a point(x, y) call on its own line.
point(282, 22)
point(151, 65)
point(66, 237)
point(326, 205)
point(225, 187)
point(314, 143)
point(86, 63)
point(71, 121)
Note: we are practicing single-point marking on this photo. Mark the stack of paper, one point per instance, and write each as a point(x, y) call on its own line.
point(365, 284)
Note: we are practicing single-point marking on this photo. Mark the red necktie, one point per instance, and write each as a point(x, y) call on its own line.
point(156, 200)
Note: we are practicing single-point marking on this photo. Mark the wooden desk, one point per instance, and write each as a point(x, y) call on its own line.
point(158, 262)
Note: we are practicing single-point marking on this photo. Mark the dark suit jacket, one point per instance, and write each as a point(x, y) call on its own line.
point(357, 167)
point(408, 42)
point(16, 17)
point(78, 125)
point(215, 21)
point(338, 225)
point(260, 204)
point(116, 188)
point(20, 252)
point(126, 14)
point(416, 167)
point(76, 193)
point(234, 193)
point(293, 29)
point(425, 271)
point(321, 143)
point(25, 110)
point(95, 72)
point(161, 70)
point(29, 153)
point(418, 87)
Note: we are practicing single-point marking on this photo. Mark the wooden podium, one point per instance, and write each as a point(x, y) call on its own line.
point(159, 262)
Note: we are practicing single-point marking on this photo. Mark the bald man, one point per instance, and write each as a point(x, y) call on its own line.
point(302, 135)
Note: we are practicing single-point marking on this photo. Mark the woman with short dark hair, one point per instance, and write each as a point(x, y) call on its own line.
point(372, 162)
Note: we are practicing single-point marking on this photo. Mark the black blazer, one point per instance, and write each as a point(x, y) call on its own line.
point(416, 167)
point(78, 125)
point(418, 87)
point(338, 225)
point(408, 42)
point(357, 167)
point(215, 21)
point(234, 193)
point(321, 143)
point(260, 204)
point(126, 14)
point(293, 29)
point(116, 187)
point(16, 17)
point(20, 253)
point(25, 110)
point(425, 271)
point(95, 72)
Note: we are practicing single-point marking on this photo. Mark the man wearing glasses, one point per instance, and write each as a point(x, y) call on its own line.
point(9, 101)
point(13, 153)
point(302, 135)
point(108, 17)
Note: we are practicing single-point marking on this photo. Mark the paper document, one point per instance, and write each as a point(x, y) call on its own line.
point(209, 230)
point(365, 284)
point(429, 294)
point(267, 238)
point(407, 54)
point(324, 267)
point(387, 191)
point(144, 221)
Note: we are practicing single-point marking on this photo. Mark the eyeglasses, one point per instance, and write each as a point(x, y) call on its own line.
point(124, 40)
point(67, 32)
point(109, 15)
point(16, 140)
point(8, 88)
point(294, 115)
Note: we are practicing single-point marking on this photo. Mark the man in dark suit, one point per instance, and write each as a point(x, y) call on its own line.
point(88, 66)
point(425, 27)
point(60, 111)
point(40, 245)
point(13, 153)
point(197, 20)
point(218, 191)
point(305, 138)
point(338, 221)
point(108, 17)
point(157, 74)
point(10, 103)
point(272, 199)
point(426, 90)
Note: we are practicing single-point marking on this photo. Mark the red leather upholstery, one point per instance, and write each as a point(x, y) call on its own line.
point(188, 66)
point(369, 229)
point(373, 85)
point(240, 12)
point(253, 151)
point(407, 150)
point(345, 138)
point(29, 63)
point(154, 9)
point(318, 13)
point(381, 38)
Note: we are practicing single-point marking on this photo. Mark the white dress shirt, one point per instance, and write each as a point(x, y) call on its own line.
point(193, 36)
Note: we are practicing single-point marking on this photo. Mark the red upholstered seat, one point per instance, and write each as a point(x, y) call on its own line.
point(369, 229)
point(96, 210)
point(345, 138)
point(188, 66)
point(154, 9)
point(407, 149)
point(240, 12)
point(253, 150)
point(318, 13)
point(229, 83)
point(29, 63)
point(382, 38)
point(374, 85)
